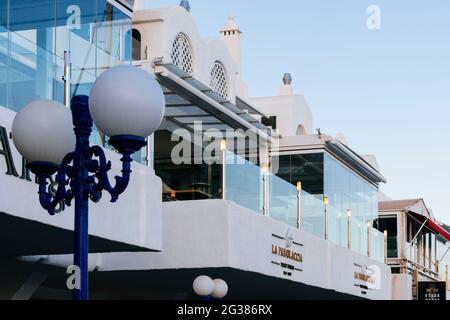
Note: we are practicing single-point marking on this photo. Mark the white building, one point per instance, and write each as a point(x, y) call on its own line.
point(288, 214)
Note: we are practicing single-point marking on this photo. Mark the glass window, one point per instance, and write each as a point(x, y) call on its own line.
point(136, 48)
point(31, 69)
point(75, 32)
point(346, 190)
point(389, 224)
point(4, 51)
point(112, 36)
point(307, 168)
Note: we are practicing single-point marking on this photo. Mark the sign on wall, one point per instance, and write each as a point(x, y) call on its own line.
point(429, 291)
point(286, 254)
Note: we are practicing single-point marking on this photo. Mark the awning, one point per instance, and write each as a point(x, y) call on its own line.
point(189, 101)
point(434, 226)
point(430, 224)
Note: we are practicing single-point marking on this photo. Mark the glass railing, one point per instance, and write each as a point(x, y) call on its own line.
point(359, 236)
point(377, 245)
point(248, 186)
point(312, 214)
point(243, 182)
point(282, 200)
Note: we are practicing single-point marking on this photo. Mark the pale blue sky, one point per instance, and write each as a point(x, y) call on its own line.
point(387, 90)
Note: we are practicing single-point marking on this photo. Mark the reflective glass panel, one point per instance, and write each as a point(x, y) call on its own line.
point(243, 182)
point(282, 200)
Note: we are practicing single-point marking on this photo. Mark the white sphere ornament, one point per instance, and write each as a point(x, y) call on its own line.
point(220, 289)
point(203, 286)
point(43, 132)
point(126, 100)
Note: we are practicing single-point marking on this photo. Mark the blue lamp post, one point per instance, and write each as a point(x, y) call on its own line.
point(127, 104)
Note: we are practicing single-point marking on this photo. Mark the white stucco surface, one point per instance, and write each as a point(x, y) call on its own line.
point(290, 110)
point(401, 287)
point(221, 234)
point(159, 29)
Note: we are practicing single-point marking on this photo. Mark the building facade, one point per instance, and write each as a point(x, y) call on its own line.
point(231, 186)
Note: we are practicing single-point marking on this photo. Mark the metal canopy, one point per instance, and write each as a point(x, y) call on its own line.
point(189, 101)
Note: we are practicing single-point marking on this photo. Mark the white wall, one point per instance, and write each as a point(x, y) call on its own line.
point(160, 27)
point(290, 110)
point(135, 219)
point(402, 287)
point(216, 233)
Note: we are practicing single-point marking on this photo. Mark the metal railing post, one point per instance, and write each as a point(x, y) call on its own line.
point(299, 203)
point(446, 276)
point(265, 170)
point(223, 149)
point(369, 227)
point(326, 202)
point(385, 246)
point(349, 228)
point(67, 78)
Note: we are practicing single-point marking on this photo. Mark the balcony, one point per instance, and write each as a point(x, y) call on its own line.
point(236, 179)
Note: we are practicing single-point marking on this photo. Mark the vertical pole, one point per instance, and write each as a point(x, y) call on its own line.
point(385, 246)
point(369, 226)
point(349, 228)
point(326, 202)
point(265, 205)
point(299, 205)
point(67, 78)
point(223, 148)
point(446, 276)
point(430, 253)
point(83, 127)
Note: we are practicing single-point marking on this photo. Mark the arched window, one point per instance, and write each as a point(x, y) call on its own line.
point(136, 45)
point(219, 83)
point(182, 54)
point(301, 130)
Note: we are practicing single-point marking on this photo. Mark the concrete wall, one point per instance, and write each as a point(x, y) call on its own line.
point(216, 234)
point(135, 219)
point(401, 287)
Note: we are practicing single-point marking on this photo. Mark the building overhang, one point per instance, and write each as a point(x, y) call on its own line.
point(322, 143)
point(188, 101)
point(355, 161)
point(25, 237)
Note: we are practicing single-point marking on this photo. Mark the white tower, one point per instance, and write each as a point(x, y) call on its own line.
point(231, 35)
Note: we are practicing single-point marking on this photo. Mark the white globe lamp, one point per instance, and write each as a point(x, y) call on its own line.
point(127, 101)
point(220, 289)
point(43, 132)
point(203, 286)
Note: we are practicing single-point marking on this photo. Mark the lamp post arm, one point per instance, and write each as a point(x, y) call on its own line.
point(101, 169)
point(50, 201)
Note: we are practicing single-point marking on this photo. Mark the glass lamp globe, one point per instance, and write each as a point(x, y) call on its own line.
point(203, 286)
point(220, 289)
point(43, 132)
point(127, 101)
